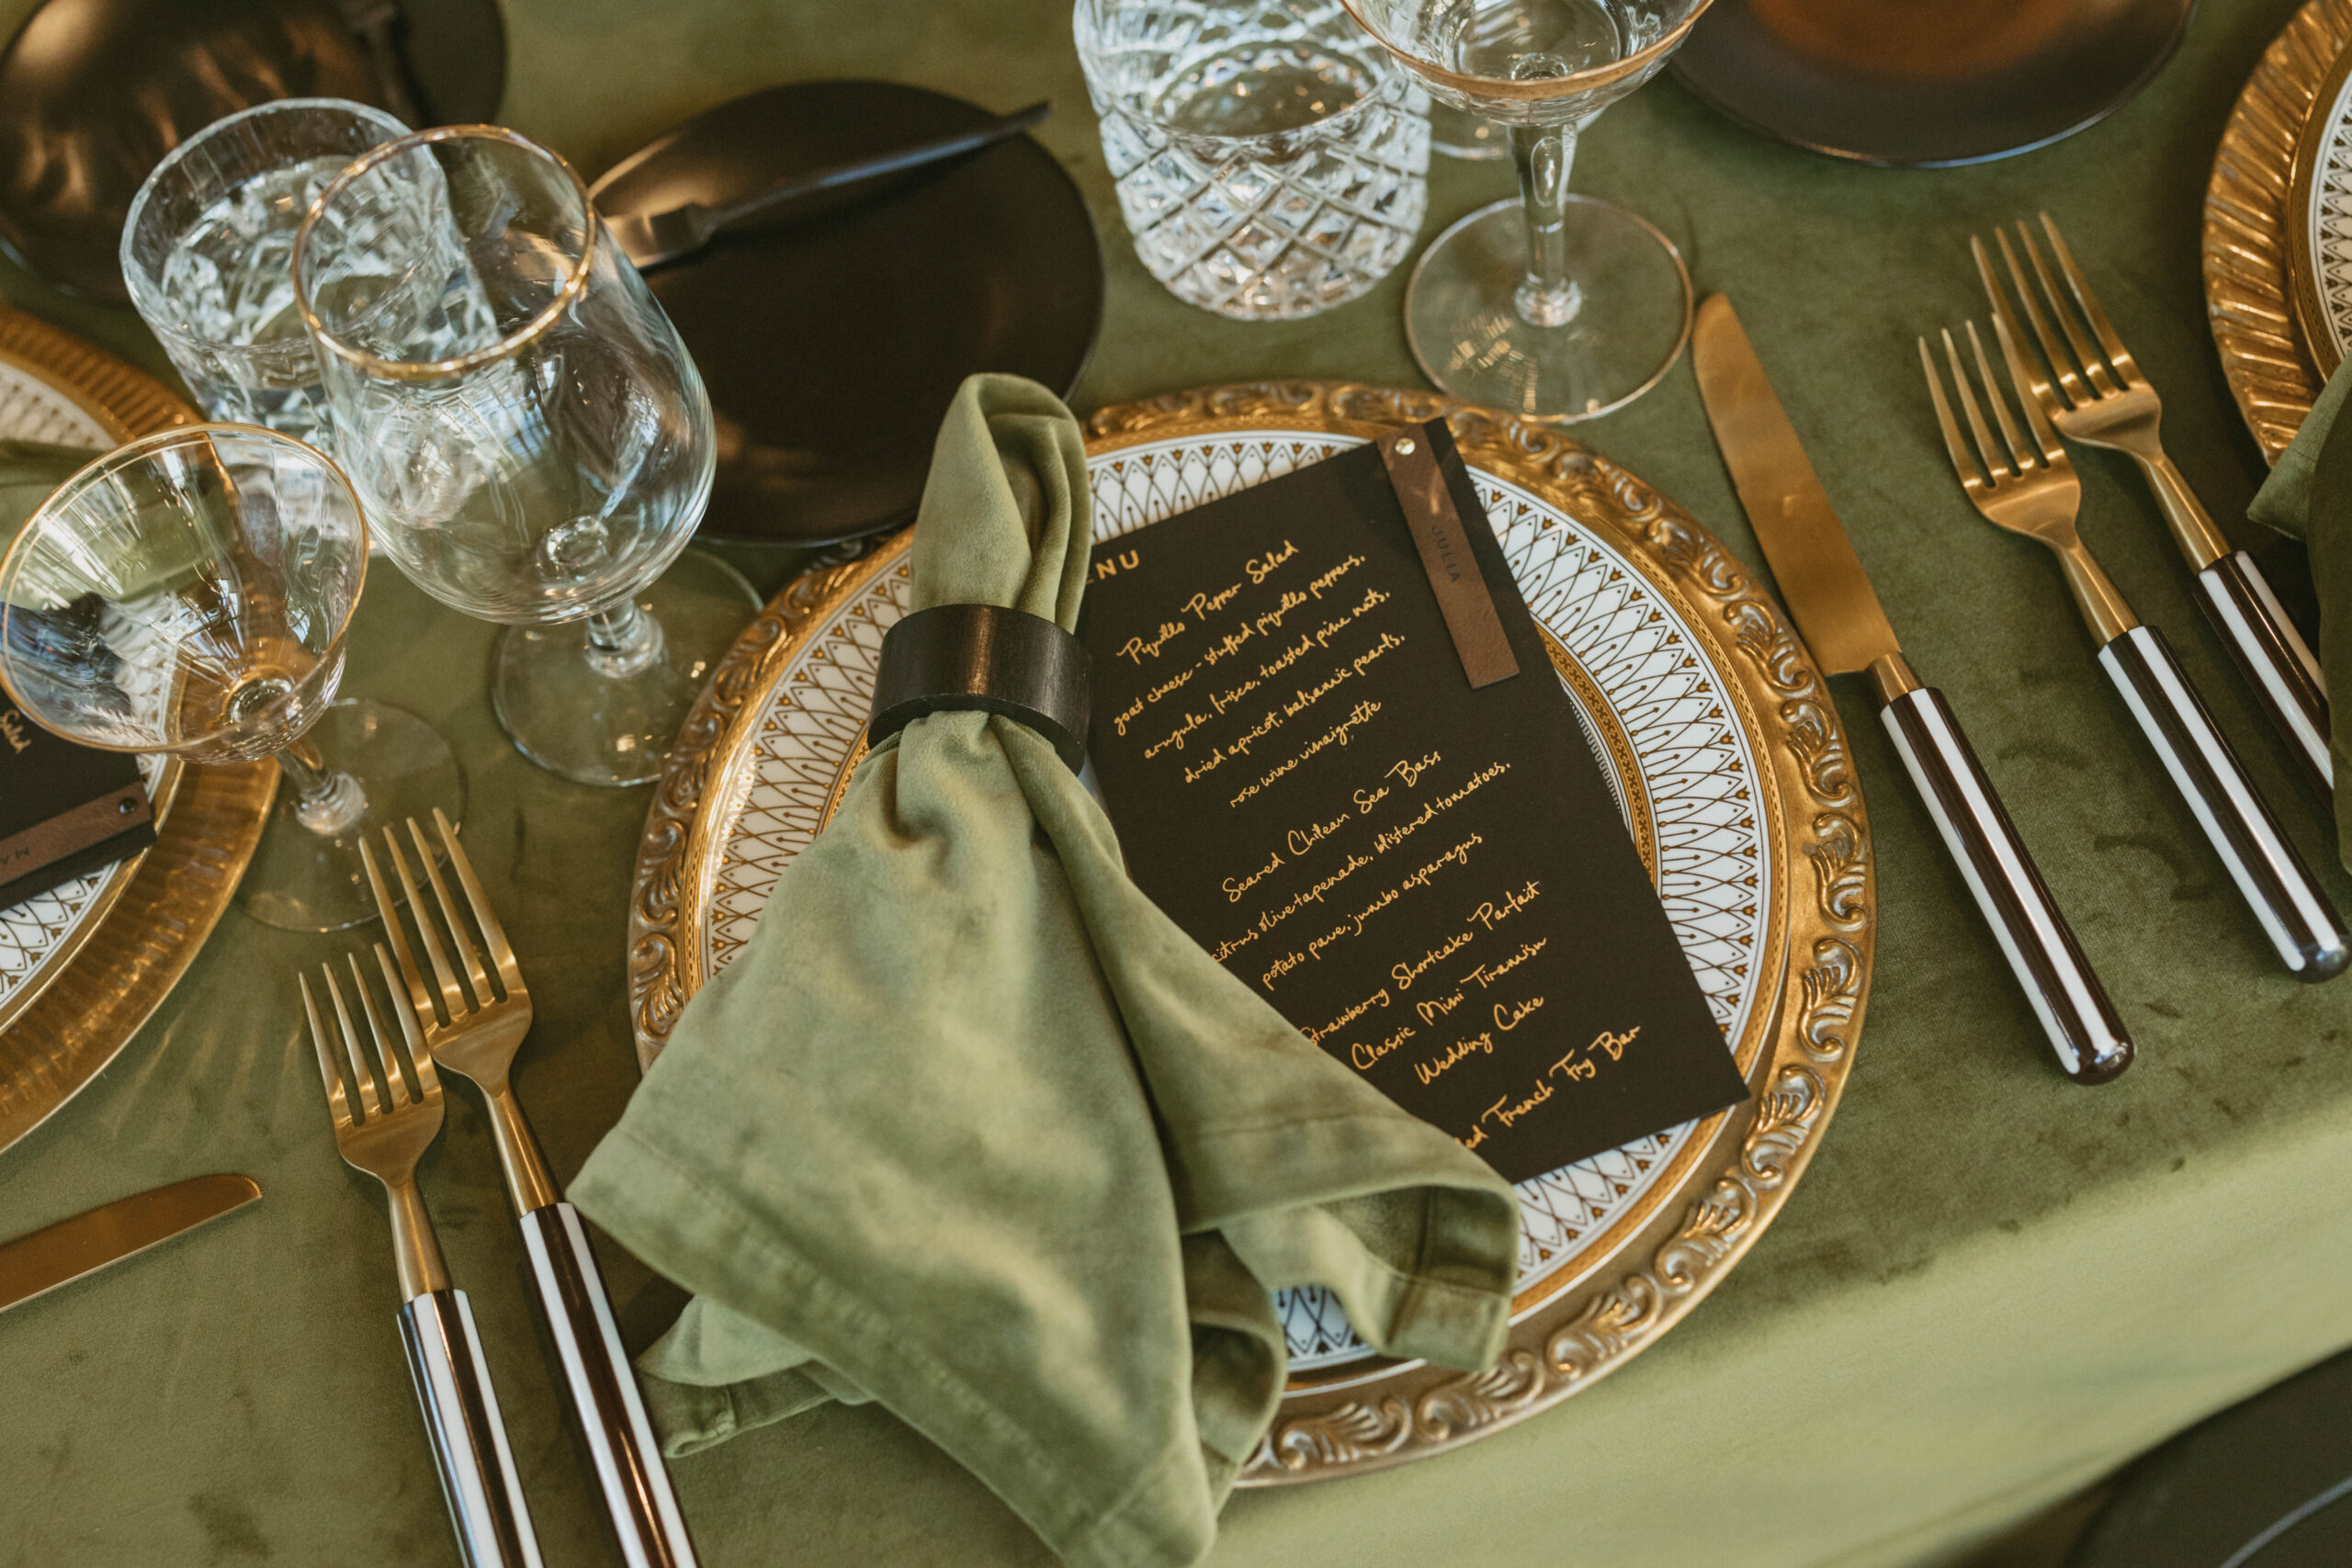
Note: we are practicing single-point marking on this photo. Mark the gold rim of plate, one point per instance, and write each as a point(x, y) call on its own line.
point(92, 992)
point(1662, 1258)
point(2255, 213)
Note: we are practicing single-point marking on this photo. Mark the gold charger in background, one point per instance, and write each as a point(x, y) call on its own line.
point(93, 990)
point(2251, 219)
point(1630, 1277)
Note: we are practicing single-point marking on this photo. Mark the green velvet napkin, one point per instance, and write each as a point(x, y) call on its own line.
point(972, 1129)
point(2309, 495)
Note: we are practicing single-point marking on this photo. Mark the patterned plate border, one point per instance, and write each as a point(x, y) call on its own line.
point(1669, 1255)
point(89, 996)
point(2251, 223)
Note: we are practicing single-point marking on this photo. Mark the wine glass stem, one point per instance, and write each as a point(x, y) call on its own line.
point(1548, 296)
point(623, 640)
point(325, 801)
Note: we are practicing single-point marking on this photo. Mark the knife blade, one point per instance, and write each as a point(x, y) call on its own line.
point(1837, 613)
point(35, 1264)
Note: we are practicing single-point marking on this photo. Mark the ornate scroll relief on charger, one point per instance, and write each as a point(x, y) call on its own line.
point(1730, 768)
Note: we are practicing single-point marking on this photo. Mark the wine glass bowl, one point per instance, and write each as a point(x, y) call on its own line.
point(1556, 307)
point(532, 439)
point(188, 593)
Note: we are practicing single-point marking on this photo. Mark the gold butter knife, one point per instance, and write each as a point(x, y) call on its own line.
point(35, 1264)
point(1837, 613)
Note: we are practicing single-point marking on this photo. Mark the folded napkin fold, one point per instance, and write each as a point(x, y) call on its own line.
point(971, 1129)
point(2309, 495)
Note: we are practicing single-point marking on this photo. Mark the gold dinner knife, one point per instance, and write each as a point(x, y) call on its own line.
point(1837, 612)
point(33, 1265)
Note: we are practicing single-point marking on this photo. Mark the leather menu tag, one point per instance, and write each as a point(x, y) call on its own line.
point(65, 809)
point(1438, 535)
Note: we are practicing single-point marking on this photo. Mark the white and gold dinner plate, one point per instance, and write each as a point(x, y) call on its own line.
point(1731, 773)
point(84, 965)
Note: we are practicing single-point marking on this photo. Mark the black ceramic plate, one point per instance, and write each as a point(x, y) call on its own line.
point(93, 93)
point(833, 344)
point(1910, 81)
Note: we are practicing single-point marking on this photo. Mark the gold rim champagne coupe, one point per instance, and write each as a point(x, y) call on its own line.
point(1556, 307)
point(530, 437)
point(191, 592)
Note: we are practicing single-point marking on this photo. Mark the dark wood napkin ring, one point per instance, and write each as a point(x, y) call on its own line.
point(984, 657)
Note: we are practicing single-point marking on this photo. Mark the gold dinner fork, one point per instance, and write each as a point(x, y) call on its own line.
point(474, 1030)
point(2026, 485)
point(2100, 398)
point(384, 1138)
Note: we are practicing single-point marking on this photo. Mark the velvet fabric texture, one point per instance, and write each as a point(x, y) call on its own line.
point(974, 1130)
point(30, 472)
point(2309, 495)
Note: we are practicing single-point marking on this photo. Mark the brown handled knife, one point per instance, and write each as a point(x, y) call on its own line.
point(33, 1264)
point(1830, 598)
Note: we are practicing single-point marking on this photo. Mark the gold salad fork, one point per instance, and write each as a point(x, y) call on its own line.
point(2095, 393)
point(2027, 486)
point(384, 1138)
point(474, 1030)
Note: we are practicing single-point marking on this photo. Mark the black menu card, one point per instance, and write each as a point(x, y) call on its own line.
point(1429, 879)
point(64, 809)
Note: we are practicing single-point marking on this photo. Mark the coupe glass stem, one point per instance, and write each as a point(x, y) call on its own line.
point(324, 802)
point(623, 640)
point(1548, 296)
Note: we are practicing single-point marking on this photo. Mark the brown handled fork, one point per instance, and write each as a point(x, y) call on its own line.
point(473, 1028)
point(385, 1137)
point(2027, 485)
point(2095, 393)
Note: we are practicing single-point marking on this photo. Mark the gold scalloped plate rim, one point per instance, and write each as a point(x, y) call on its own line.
point(1653, 1264)
point(104, 982)
point(2251, 221)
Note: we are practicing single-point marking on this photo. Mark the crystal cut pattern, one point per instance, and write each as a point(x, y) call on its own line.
point(1260, 228)
point(1702, 782)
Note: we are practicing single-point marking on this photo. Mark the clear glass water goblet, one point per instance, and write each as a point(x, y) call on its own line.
point(1555, 307)
point(531, 439)
point(190, 594)
point(207, 255)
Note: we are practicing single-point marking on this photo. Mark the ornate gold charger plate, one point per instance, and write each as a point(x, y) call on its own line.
point(1732, 773)
point(2256, 204)
point(82, 965)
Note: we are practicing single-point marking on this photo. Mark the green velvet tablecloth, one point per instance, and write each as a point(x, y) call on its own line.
point(1992, 1285)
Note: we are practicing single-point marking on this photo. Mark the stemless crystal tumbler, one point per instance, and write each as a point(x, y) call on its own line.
point(1270, 161)
point(532, 441)
point(190, 593)
point(1556, 307)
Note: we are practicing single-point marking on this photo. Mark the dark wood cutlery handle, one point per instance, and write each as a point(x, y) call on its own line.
point(603, 1392)
point(2295, 913)
point(2082, 1027)
point(478, 1478)
point(2274, 659)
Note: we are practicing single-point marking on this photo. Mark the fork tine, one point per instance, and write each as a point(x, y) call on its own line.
point(1987, 452)
point(476, 977)
point(395, 1081)
point(2108, 337)
point(2032, 387)
point(501, 952)
point(2094, 368)
point(359, 1072)
point(452, 999)
point(2037, 415)
point(338, 1103)
point(2015, 438)
point(418, 1052)
point(2061, 364)
point(419, 996)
